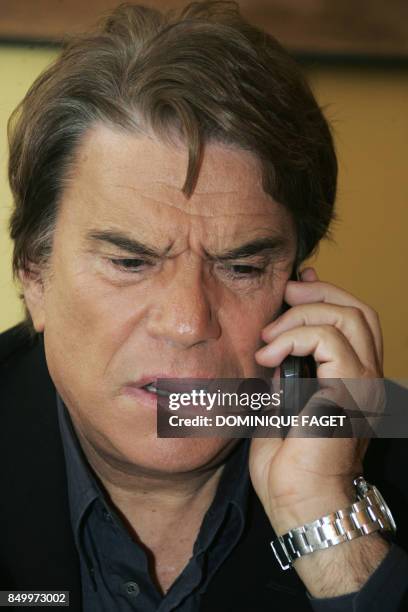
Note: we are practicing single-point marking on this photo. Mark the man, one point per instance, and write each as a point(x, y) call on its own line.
point(169, 175)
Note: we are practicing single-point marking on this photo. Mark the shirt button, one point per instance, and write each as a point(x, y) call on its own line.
point(131, 589)
point(107, 516)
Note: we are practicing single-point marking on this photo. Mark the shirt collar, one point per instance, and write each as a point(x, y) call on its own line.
point(229, 506)
point(82, 486)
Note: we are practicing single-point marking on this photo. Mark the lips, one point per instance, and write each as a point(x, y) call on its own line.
point(170, 383)
point(151, 388)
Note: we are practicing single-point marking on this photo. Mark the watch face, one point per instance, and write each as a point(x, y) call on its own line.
point(384, 507)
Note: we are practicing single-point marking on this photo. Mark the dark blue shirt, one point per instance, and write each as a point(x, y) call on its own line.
point(115, 569)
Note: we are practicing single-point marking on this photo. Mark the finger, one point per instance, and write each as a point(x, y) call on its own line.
point(330, 349)
point(308, 275)
point(318, 291)
point(349, 320)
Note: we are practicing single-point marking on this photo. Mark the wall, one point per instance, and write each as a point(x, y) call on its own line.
point(370, 257)
point(18, 68)
point(368, 110)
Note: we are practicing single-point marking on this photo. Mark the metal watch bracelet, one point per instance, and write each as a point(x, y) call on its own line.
point(368, 514)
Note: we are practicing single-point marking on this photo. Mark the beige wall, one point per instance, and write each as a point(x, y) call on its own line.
point(18, 68)
point(369, 111)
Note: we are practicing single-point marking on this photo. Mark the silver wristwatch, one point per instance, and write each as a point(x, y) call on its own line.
point(369, 513)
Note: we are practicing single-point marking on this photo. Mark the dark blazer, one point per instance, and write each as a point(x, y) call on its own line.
point(37, 549)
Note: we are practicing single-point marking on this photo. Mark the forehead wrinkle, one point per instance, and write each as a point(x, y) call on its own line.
point(243, 195)
point(199, 214)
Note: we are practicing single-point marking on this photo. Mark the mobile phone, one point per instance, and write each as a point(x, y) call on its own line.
point(292, 369)
point(297, 367)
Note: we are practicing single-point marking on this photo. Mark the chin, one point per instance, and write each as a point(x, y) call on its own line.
point(173, 456)
point(130, 443)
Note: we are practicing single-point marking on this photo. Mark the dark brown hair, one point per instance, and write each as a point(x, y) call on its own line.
point(205, 72)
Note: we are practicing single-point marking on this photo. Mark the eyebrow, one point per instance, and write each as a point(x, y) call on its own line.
point(124, 242)
point(276, 245)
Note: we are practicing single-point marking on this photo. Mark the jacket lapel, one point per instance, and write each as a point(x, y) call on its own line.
point(37, 546)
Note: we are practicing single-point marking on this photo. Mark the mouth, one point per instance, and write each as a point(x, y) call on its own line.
point(151, 388)
point(165, 387)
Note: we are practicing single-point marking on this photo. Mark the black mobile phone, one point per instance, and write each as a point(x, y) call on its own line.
point(296, 394)
point(297, 367)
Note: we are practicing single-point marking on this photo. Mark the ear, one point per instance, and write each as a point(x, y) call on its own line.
point(33, 290)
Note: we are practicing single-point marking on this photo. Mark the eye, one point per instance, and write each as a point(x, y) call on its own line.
point(129, 264)
point(242, 271)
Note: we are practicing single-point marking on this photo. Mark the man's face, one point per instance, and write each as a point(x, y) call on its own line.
point(145, 283)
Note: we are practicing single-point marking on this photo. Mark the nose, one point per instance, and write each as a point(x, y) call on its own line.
point(184, 313)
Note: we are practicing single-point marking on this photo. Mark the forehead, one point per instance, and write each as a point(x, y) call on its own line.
point(123, 176)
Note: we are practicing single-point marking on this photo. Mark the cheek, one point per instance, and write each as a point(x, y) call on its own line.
point(243, 321)
point(87, 323)
point(88, 308)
